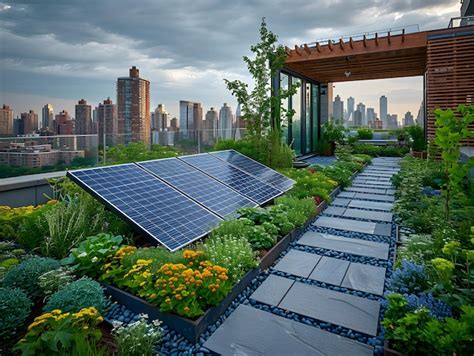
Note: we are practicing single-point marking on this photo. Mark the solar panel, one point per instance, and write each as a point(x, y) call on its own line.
point(207, 191)
point(155, 208)
point(235, 178)
point(256, 169)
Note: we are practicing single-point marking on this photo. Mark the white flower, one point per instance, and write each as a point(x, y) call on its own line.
point(94, 259)
point(83, 254)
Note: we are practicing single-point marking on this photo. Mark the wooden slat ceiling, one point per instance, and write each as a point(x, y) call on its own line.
point(377, 58)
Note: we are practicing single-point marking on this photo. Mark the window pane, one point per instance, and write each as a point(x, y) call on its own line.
point(315, 111)
point(308, 119)
point(296, 121)
point(284, 104)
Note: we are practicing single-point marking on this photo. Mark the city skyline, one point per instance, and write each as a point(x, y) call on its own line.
point(82, 59)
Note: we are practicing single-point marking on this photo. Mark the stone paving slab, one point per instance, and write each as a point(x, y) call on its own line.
point(379, 197)
point(341, 202)
point(366, 182)
point(345, 244)
point(381, 168)
point(366, 278)
point(330, 270)
point(346, 194)
point(250, 331)
point(364, 227)
point(376, 176)
point(367, 190)
point(298, 263)
point(272, 290)
point(369, 215)
point(356, 313)
point(334, 210)
point(364, 204)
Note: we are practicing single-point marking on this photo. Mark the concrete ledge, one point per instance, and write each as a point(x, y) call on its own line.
point(27, 190)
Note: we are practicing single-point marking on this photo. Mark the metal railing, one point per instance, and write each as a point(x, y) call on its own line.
point(461, 21)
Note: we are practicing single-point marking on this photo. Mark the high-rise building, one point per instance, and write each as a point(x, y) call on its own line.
point(239, 124)
point(226, 121)
point(83, 123)
point(350, 107)
point(371, 115)
point(383, 110)
point(63, 125)
point(29, 122)
point(190, 118)
point(338, 109)
point(160, 121)
point(47, 117)
point(209, 126)
point(133, 108)
point(357, 118)
point(408, 119)
point(361, 109)
point(420, 117)
point(6, 121)
point(392, 121)
point(107, 122)
point(174, 124)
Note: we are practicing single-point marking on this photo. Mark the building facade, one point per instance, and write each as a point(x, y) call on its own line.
point(29, 123)
point(190, 118)
point(350, 107)
point(83, 123)
point(6, 121)
point(133, 108)
point(107, 123)
point(363, 117)
point(408, 119)
point(47, 117)
point(383, 102)
point(226, 122)
point(338, 109)
point(161, 116)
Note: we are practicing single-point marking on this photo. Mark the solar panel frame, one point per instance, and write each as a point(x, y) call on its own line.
point(131, 215)
point(243, 186)
point(264, 177)
point(183, 175)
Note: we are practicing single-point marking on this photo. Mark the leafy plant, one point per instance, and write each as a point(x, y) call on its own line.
point(332, 131)
point(93, 252)
point(450, 131)
point(262, 107)
point(26, 275)
point(61, 333)
point(365, 134)
point(231, 252)
point(417, 135)
point(52, 281)
point(298, 210)
point(138, 338)
point(15, 306)
point(158, 255)
point(79, 294)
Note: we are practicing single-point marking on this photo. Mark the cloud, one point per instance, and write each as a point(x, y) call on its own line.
point(68, 48)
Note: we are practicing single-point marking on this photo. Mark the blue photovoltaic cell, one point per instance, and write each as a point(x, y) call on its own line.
point(256, 169)
point(207, 191)
point(235, 178)
point(158, 210)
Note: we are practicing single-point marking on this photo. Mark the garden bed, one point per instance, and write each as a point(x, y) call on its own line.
point(189, 328)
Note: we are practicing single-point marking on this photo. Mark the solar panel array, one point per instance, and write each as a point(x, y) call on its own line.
point(176, 201)
point(235, 178)
point(153, 206)
point(255, 168)
point(207, 191)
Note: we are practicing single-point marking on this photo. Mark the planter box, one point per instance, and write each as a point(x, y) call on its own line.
point(387, 351)
point(190, 329)
point(270, 257)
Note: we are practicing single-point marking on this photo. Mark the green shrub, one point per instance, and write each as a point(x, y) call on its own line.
point(365, 134)
point(418, 138)
point(260, 239)
point(382, 151)
point(15, 306)
point(231, 252)
point(26, 275)
point(310, 183)
point(298, 210)
point(52, 281)
point(138, 338)
point(91, 254)
point(80, 294)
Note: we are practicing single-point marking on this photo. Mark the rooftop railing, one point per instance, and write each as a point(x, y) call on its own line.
point(461, 21)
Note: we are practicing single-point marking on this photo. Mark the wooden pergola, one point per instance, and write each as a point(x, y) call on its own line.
point(444, 57)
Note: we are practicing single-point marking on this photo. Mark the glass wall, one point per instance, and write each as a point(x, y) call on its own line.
point(303, 129)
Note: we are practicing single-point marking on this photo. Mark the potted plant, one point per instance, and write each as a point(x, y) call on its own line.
point(332, 133)
point(418, 142)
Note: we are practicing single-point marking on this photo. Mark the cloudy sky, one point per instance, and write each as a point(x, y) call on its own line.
point(59, 51)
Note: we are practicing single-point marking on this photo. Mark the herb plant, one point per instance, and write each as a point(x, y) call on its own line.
point(15, 306)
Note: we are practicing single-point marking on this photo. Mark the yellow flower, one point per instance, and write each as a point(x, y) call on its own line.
point(36, 323)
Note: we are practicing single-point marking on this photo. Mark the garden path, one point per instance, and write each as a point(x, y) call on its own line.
point(323, 294)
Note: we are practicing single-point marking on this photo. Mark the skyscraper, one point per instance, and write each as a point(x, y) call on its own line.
point(361, 109)
point(174, 124)
point(190, 118)
point(357, 118)
point(133, 108)
point(107, 120)
point(371, 116)
point(350, 107)
point(420, 117)
point(6, 121)
point(383, 110)
point(408, 119)
point(160, 118)
point(226, 120)
point(29, 122)
point(63, 125)
point(210, 126)
point(338, 109)
point(47, 117)
point(83, 123)
point(239, 124)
